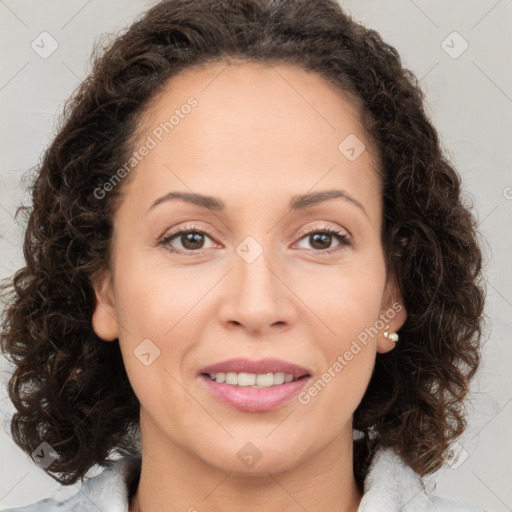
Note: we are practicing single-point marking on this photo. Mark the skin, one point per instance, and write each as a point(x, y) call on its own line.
point(259, 135)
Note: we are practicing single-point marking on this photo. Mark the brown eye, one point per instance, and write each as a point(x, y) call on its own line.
point(187, 240)
point(192, 240)
point(321, 240)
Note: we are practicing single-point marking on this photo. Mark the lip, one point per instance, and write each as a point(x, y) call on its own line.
point(254, 399)
point(249, 399)
point(267, 365)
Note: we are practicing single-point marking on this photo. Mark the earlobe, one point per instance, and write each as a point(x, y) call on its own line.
point(393, 316)
point(104, 317)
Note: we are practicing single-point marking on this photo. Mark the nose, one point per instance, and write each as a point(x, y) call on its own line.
point(257, 297)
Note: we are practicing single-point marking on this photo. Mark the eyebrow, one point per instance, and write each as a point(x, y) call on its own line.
point(306, 200)
point(297, 202)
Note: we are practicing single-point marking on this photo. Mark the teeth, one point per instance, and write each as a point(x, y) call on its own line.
point(252, 380)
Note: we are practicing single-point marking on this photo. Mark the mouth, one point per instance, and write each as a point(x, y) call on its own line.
point(253, 380)
point(245, 367)
point(254, 386)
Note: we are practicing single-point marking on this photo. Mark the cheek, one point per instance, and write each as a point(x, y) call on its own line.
point(347, 303)
point(346, 299)
point(156, 311)
point(150, 299)
point(332, 396)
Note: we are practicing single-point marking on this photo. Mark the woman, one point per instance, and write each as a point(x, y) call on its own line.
point(250, 272)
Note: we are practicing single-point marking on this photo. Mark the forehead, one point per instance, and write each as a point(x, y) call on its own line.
point(243, 88)
point(266, 128)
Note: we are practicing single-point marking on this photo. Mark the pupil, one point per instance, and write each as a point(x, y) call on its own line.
point(318, 237)
point(191, 239)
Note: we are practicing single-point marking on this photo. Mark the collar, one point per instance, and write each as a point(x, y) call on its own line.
point(390, 486)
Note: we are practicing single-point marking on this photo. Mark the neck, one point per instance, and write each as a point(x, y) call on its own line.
point(174, 479)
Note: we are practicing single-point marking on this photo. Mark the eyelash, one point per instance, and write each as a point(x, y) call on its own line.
point(343, 239)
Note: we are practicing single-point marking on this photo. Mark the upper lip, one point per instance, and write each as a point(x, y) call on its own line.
point(267, 365)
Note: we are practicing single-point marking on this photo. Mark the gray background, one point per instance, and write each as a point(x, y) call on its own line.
point(469, 99)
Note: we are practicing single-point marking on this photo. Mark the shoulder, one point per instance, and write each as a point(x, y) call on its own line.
point(108, 491)
point(392, 486)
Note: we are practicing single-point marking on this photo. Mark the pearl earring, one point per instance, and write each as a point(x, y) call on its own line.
point(392, 336)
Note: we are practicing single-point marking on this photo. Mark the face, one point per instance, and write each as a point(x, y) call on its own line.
point(256, 272)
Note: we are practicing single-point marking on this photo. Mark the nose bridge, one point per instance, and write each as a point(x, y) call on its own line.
point(257, 297)
point(256, 281)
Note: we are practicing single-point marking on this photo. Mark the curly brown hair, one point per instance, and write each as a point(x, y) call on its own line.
point(71, 389)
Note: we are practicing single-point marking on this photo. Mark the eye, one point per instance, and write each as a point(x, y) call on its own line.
point(321, 239)
point(190, 238)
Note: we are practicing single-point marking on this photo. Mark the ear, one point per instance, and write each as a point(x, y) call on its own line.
point(393, 314)
point(104, 318)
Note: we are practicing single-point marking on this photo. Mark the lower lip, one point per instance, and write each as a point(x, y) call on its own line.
point(254, 399)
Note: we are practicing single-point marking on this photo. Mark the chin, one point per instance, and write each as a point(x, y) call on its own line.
point(255, 458)
point(272, 463)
